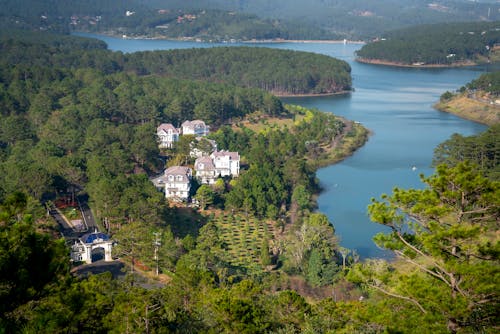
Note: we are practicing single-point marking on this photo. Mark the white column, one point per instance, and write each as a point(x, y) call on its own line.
point(107, 252)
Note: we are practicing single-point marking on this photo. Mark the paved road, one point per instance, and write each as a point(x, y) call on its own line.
point(88, 217)
point(68, 231)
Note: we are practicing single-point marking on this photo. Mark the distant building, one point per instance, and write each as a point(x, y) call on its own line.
point(196, 127)
point(167, 135)
point(177, 181)
point(92, 247)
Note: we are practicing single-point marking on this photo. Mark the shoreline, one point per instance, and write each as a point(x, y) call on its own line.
point(399, 64)
point(470, 109)
point(344, 92)
point(230, 41)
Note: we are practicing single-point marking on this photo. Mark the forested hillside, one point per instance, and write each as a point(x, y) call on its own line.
point(282, 72)
point(133, 18)
point(354, 19)
point(441, 44)
point(225, 20)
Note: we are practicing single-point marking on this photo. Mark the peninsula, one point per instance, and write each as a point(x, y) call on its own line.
point(477, 101)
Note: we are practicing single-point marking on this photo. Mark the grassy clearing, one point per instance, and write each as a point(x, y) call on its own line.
point(258, 122)
point(462, 106)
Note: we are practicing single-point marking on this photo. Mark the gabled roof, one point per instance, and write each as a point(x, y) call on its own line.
point(166, 127)
point(231, 155)
point(207, 163)
point(193, 124)
point(178, 170)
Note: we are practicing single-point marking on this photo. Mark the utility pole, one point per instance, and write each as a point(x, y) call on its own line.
point(157, 244)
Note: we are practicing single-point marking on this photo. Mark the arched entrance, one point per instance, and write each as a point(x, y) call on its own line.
point(97, 254)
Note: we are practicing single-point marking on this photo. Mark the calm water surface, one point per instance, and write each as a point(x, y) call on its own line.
point(395, 104)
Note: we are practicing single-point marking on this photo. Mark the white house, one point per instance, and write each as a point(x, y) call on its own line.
point(177, 180)
point(196, 127)
point(205, 170)
point(226, 163)
point(167, 135)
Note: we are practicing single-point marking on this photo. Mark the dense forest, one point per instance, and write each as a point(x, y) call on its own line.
point(281, 72)
point(73, 117)
point(440, 44)
point(483, 149)
point(225, 20)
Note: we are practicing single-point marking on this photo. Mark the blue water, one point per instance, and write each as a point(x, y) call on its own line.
point(395, 104)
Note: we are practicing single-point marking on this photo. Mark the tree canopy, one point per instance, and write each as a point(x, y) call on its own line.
point(437, 44)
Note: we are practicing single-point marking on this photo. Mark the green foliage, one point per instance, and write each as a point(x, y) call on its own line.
point(445, 233)
point(278, 175)
point(446, 96)
point(31, 262)
point(278, 71)
point(488, 82)
point(265, 258)
point(309, 249)
point(442, 44)
point(482, 149)
point(205, 196)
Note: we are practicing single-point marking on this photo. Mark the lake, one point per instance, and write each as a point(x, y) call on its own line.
point(395, 104)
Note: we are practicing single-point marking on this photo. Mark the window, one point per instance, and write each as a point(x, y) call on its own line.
point(170, 177)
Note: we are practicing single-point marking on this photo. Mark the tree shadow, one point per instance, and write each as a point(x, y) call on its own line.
point(184, 221)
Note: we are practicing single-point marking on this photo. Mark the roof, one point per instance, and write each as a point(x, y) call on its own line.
point(193, 124)
point(92, 237)
point(232, 155)
point(207, 162)
point(166, 127)
point(178, 170)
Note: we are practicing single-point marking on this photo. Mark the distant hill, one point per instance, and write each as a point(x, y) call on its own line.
point(448, 44)
point(242, 19)
point(353, 19)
